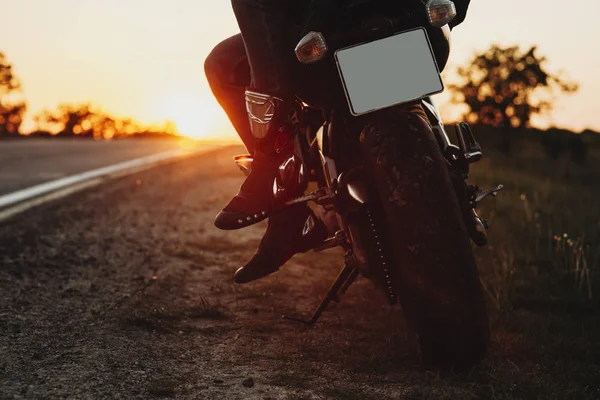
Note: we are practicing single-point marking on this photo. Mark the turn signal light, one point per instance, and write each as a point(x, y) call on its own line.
point(440, 12)
point(311, 48)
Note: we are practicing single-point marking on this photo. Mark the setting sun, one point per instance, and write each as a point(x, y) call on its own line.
point(194, 115)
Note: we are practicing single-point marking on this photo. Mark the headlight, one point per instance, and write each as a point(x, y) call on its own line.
point(440, 12)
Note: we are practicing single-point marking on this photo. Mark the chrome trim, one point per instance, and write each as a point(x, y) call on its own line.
point(244, 163)
point(358, 192)
point(286, 169)
point(309, 224)
point(261, 109)
point(329, 169)
point(301, 178)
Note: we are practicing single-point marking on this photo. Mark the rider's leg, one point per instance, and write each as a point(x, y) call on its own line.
point(270, 30)
point(228, 74)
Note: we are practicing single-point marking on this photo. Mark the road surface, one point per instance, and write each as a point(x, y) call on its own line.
point(24, 163)
point(124, 291)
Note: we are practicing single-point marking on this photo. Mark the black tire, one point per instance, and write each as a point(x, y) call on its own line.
point(435, 275)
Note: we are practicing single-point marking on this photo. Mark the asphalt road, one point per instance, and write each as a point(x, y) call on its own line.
point(24, 163)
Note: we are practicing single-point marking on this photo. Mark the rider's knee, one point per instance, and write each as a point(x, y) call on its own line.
point(218, 61)
point(212, 65)
point(227, 62)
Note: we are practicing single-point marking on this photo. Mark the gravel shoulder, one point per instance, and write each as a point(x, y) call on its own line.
point(125, 291)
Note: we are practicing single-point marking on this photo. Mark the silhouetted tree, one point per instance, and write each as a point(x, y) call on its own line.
point(69, 120)
point(499, 86)
point(12, 104)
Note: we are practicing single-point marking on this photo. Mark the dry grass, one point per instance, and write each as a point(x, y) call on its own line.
point(545, 231)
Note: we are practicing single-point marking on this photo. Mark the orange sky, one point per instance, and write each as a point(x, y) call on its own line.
point(144, 58)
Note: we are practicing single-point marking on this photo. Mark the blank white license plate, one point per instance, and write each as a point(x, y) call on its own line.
point(390, 71)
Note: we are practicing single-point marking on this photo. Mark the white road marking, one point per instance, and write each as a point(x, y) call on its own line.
point(19, 201)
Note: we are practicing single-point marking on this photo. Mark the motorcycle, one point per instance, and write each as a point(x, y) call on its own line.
point(397, 212)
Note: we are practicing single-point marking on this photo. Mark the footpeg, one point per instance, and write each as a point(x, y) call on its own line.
point(339, 239)
point(482, 194)
point(321, 196)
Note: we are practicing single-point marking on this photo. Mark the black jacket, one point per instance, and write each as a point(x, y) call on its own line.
point(324, 8)
point(461, 11)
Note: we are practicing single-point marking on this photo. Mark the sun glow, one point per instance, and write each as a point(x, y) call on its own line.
point(195, 116)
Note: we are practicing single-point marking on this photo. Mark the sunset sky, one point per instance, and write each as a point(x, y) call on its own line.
point(144, 58)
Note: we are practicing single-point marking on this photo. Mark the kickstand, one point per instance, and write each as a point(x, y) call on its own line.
point(346, 277)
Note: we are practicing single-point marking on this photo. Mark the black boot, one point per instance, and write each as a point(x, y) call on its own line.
point(294, 230)
point(255, 200)
point(273, 126)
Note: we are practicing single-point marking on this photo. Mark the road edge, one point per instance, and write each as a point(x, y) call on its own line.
point(14, 203)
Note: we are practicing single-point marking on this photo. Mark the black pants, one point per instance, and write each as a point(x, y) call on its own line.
point(228, 74)
point(261, 57)
point(270, 30)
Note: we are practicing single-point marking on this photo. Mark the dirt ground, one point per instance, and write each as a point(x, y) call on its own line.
point(125, 291)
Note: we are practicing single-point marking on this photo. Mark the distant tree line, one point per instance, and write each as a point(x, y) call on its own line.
point(67, 120)
point(86, 120)
point(502, 87)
